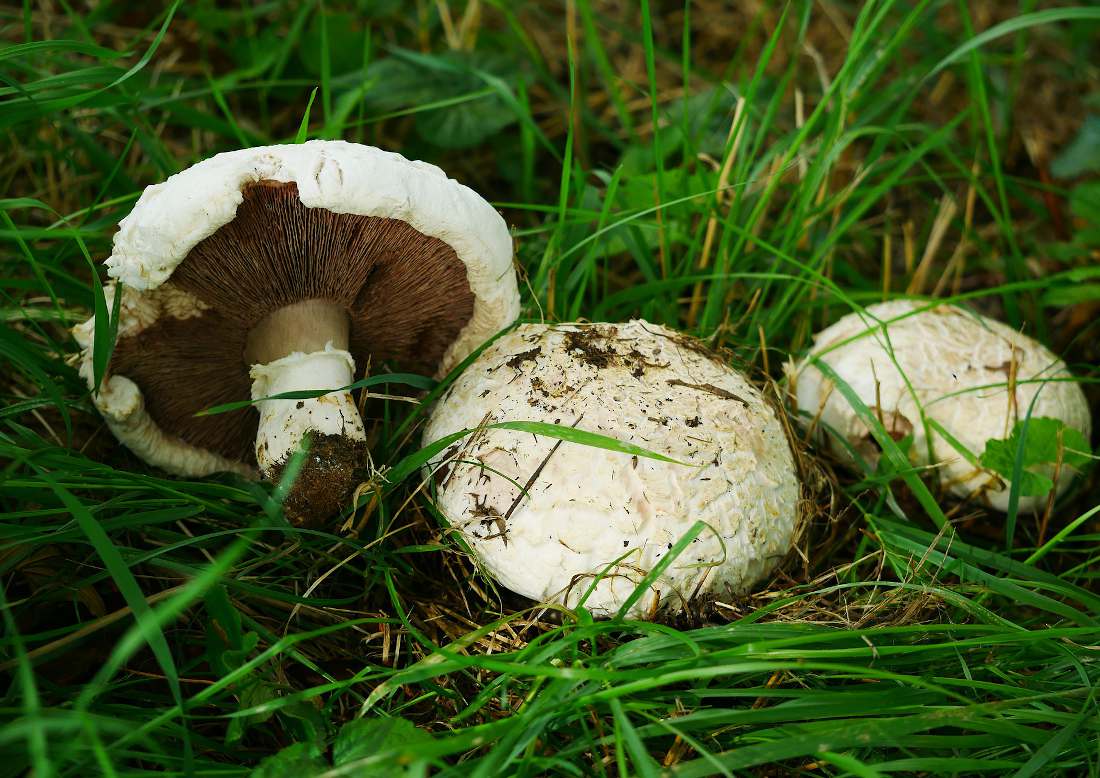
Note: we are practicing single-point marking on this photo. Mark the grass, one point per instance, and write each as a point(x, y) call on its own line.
point(745, 174)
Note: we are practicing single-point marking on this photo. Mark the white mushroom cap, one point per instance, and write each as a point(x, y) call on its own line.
point(172, 218)
point(958, 364)
point(587, 508)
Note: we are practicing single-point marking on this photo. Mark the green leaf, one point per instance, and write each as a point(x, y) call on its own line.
point(223, 630)
point(1084, 202)
point(409, 79)
point(1047, 441)
point(406, 379)
point(237, 655)
point(301, 719)
point(363, 738)
point(1082, 155)
point(301, 760)
point(1061, 296)
point(465, 124)
point(251, 693)
point(54, 46)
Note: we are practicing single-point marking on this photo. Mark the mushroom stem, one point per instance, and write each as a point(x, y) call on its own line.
point(283, 423)
point(306, 326)
point(302, 347)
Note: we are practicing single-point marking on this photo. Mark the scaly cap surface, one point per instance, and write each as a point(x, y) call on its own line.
point(587, 508)
point(958, 364)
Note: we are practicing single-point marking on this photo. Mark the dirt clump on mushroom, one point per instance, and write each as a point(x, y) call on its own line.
point(592, 346)
point(596, 346)
point(335, 467)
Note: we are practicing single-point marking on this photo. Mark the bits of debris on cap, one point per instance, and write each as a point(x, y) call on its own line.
point(546, 518)
point(285, 269)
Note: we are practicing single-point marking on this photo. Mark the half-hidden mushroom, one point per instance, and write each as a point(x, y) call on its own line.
point(552, 520)
point(282, 269)
point(916, 366)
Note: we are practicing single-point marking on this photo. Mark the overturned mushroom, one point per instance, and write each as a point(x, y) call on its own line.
point(287, 268)
point(973, 376)
point(550, 519)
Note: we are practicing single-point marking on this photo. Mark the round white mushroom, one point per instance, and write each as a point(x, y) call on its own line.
point(972, 375)
point(285, 269)
point(552, 519)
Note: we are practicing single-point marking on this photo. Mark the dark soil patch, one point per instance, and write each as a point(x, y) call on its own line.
point(516, 362)
point(592, 345)
point(333, 468)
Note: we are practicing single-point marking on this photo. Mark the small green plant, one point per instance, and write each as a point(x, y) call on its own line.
point(1038, 445)
point(364, 748)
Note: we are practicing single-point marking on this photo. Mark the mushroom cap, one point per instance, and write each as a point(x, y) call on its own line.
point(121, 403)
point(588, 508)
point(958, 364)
point(185, 256)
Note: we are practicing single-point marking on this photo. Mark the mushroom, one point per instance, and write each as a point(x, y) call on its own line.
point(551, 519)
point(972, 375)
point(284, 269)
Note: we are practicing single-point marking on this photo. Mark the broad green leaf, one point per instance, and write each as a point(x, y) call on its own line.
point(1082, 155)
point(223, 630)
point(300, 760)
point(301, 718)
point(465, 124)
point(251, 693)
point(1084, 202)
point(362, 738)
point(409, 79)
point(1047, 441)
